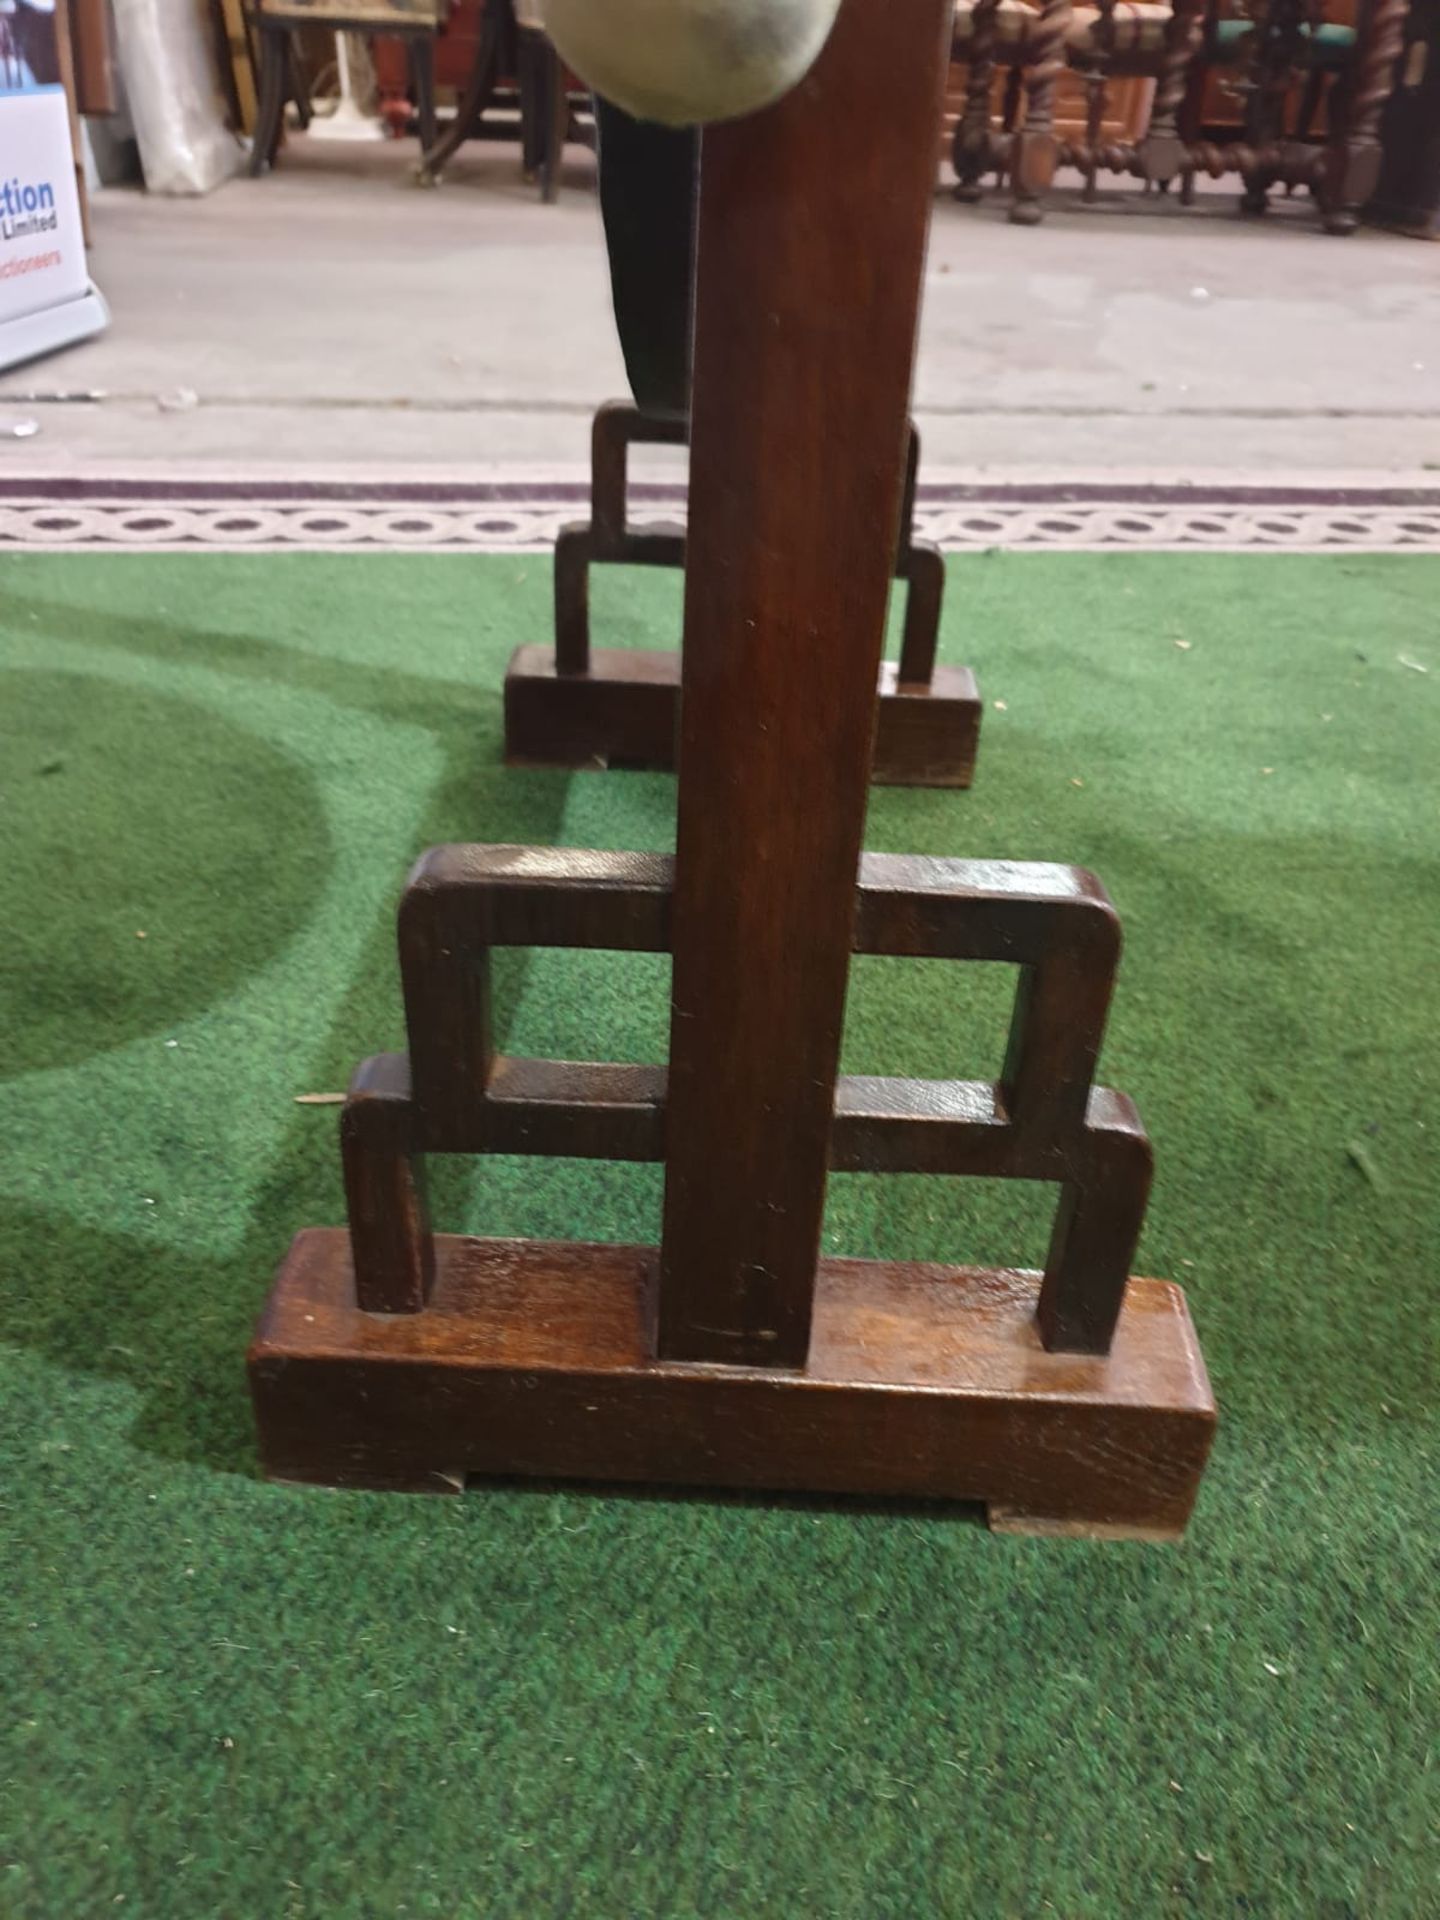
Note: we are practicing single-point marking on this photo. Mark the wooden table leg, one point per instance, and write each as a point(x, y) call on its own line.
point(497, 20)
point(812, 234)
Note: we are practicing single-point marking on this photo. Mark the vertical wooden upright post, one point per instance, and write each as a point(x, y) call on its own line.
point(812, 226)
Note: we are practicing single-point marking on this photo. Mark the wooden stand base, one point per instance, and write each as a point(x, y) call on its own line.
point(923, 1381)
point(623, 713)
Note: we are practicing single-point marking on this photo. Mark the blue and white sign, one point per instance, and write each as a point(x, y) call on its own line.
point(46, 299)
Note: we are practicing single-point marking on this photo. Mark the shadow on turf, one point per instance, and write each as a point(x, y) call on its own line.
point(476, 797)
point(137, 1310)
point(156, 913)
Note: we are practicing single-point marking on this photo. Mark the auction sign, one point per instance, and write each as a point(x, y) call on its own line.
point(45, 295)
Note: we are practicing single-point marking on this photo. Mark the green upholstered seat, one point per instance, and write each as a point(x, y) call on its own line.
point(1328, 45)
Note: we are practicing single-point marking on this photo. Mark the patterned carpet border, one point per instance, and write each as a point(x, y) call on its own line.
point(523, 514)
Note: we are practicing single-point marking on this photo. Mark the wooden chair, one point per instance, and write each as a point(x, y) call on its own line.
point(545, 116)
point(1133, 39)
point(517, 69)
point(1027, 41)
point(1287, 63)
point(275, 22)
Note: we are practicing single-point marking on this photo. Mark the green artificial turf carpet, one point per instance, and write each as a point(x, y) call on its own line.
point(223, 1698)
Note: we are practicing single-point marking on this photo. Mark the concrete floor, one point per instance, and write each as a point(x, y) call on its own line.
point(336, 316)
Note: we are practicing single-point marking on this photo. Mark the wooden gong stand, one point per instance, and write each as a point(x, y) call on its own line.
point(575, 705)
point(733, 1354)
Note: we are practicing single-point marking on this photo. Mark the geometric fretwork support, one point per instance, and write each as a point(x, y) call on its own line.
point(394, 1250)
point(1042, 1120)
point(579, 706)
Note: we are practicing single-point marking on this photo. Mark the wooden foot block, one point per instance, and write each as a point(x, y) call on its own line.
point(623, 713)
point(927, 736)
point(922, 1381)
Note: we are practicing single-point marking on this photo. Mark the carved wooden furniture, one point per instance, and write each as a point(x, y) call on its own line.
point(454, 56)
point(733, 1354)
point(1029, 41)
point(1125, 39)
point(1407, 197)
point(1218, 99)
point(414, 23)
point(515, 87)
point(1115, 41)
point(545, 115)
point(1284, 62)
point(1005, 54)
point(578, 706)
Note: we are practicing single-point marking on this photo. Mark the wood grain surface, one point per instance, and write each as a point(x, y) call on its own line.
point(922, 1380)
point(812, 227)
